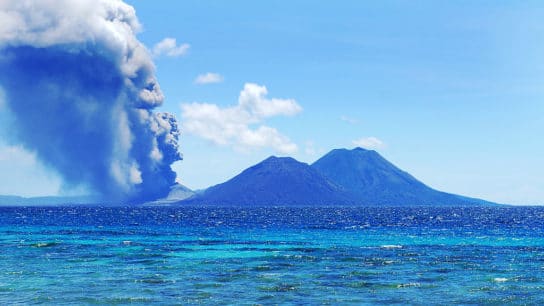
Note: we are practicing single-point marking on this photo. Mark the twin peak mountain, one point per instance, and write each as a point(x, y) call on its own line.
point(343, 177)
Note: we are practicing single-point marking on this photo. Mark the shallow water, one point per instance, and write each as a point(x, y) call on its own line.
point(272, 256)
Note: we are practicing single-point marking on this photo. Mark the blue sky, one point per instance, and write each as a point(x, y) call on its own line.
point(448, 91)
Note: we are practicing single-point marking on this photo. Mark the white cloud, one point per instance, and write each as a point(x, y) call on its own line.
point(240, 126)
point(169, 47)
point(253, 100)
point(349, 120)
point(209, 78)
point(371, 143)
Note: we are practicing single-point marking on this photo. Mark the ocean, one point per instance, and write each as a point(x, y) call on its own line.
point(271, 256)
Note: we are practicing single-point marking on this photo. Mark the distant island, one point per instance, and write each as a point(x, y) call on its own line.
point(342, 177)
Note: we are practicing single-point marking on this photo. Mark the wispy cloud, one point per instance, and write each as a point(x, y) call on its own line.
point(371, 143)
point(169, 47)
point(310, 148)
point(209, 78)
point(349, 120)
point(240, 126)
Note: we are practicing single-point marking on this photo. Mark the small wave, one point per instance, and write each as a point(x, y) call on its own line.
point(500, 279)
point(408, 285)
point(391, 246)
point(44, 244)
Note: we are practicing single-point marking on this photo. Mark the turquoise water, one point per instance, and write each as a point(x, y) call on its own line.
point(272, 256)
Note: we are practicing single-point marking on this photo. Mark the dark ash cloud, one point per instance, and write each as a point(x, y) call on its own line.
point(82, 92)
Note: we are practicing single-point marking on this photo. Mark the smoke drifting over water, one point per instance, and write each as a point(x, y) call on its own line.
point(82, 90)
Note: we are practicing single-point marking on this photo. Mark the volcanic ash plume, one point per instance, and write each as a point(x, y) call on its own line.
point(81, 90)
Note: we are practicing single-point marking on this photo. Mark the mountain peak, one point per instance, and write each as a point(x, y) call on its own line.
point(341, 177)
point(275, 181)
point(357, 155)
point(276, 164)
point(369, 176)
point(356, 150)
point(276, 159)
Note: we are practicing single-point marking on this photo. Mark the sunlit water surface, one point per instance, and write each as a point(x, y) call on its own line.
point(271, 256)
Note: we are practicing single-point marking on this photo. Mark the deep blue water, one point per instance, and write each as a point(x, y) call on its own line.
point(272, 256)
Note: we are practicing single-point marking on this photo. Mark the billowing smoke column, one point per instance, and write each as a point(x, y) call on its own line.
point(81, 89)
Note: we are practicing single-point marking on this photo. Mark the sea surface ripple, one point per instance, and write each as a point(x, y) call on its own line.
point(248, 256)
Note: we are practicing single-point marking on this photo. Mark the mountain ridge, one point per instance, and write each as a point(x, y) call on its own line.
point(368, 175)
point(356, 177)
point(276, 181)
